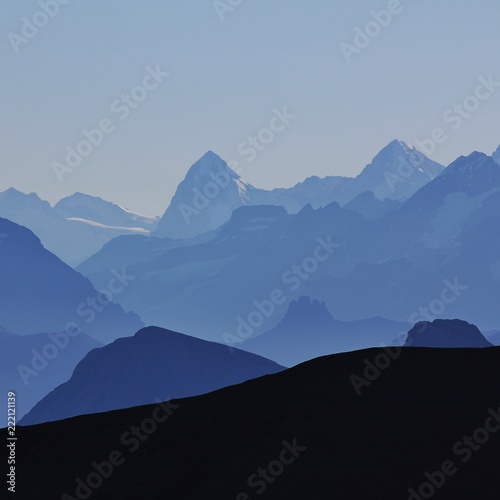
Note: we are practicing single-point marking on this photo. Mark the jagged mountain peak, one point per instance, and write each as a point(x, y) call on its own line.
point(306, 311)
point(473, 174)
point(204, 200)
point(305, 303)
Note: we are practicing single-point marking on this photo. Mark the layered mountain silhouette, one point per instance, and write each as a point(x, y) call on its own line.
point(211, 190)
point(41, 293)
point(446, 333)
point(153, 365)
point(77, 227)
point(304, 433)
point(308, 330)
point(441, 242)
point(33, 365)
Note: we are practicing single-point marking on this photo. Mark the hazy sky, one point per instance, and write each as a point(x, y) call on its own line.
point(226, 79)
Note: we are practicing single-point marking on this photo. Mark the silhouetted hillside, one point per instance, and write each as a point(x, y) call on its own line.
point(409, 419)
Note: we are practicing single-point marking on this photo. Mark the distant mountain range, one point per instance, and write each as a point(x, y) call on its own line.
point(39, 293)
point(153, 365)
point(77, 227)
point(304, 433)
point(433, 255)
point(211, 191)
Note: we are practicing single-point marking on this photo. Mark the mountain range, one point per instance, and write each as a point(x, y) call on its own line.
point(211, 190)
point(441, 244)
point(77, 227)
point(257, 280)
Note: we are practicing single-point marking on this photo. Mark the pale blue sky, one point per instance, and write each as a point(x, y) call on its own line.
point(226, 77)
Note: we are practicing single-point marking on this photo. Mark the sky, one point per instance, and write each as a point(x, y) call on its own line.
point(319, 95)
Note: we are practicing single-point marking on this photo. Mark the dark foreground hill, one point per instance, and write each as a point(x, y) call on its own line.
point(153, 365)
point(314, 432)
point(446, 333)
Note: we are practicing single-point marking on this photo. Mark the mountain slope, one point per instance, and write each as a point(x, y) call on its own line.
point(33, 365)
point(396, 173)
point(94, 209)
point(154, 364)
point(408, 419)
point(41, 293)
point(496, 155)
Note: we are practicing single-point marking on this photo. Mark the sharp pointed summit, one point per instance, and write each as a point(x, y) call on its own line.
point(204, 200)
point(397, 172)
point(210, 162)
